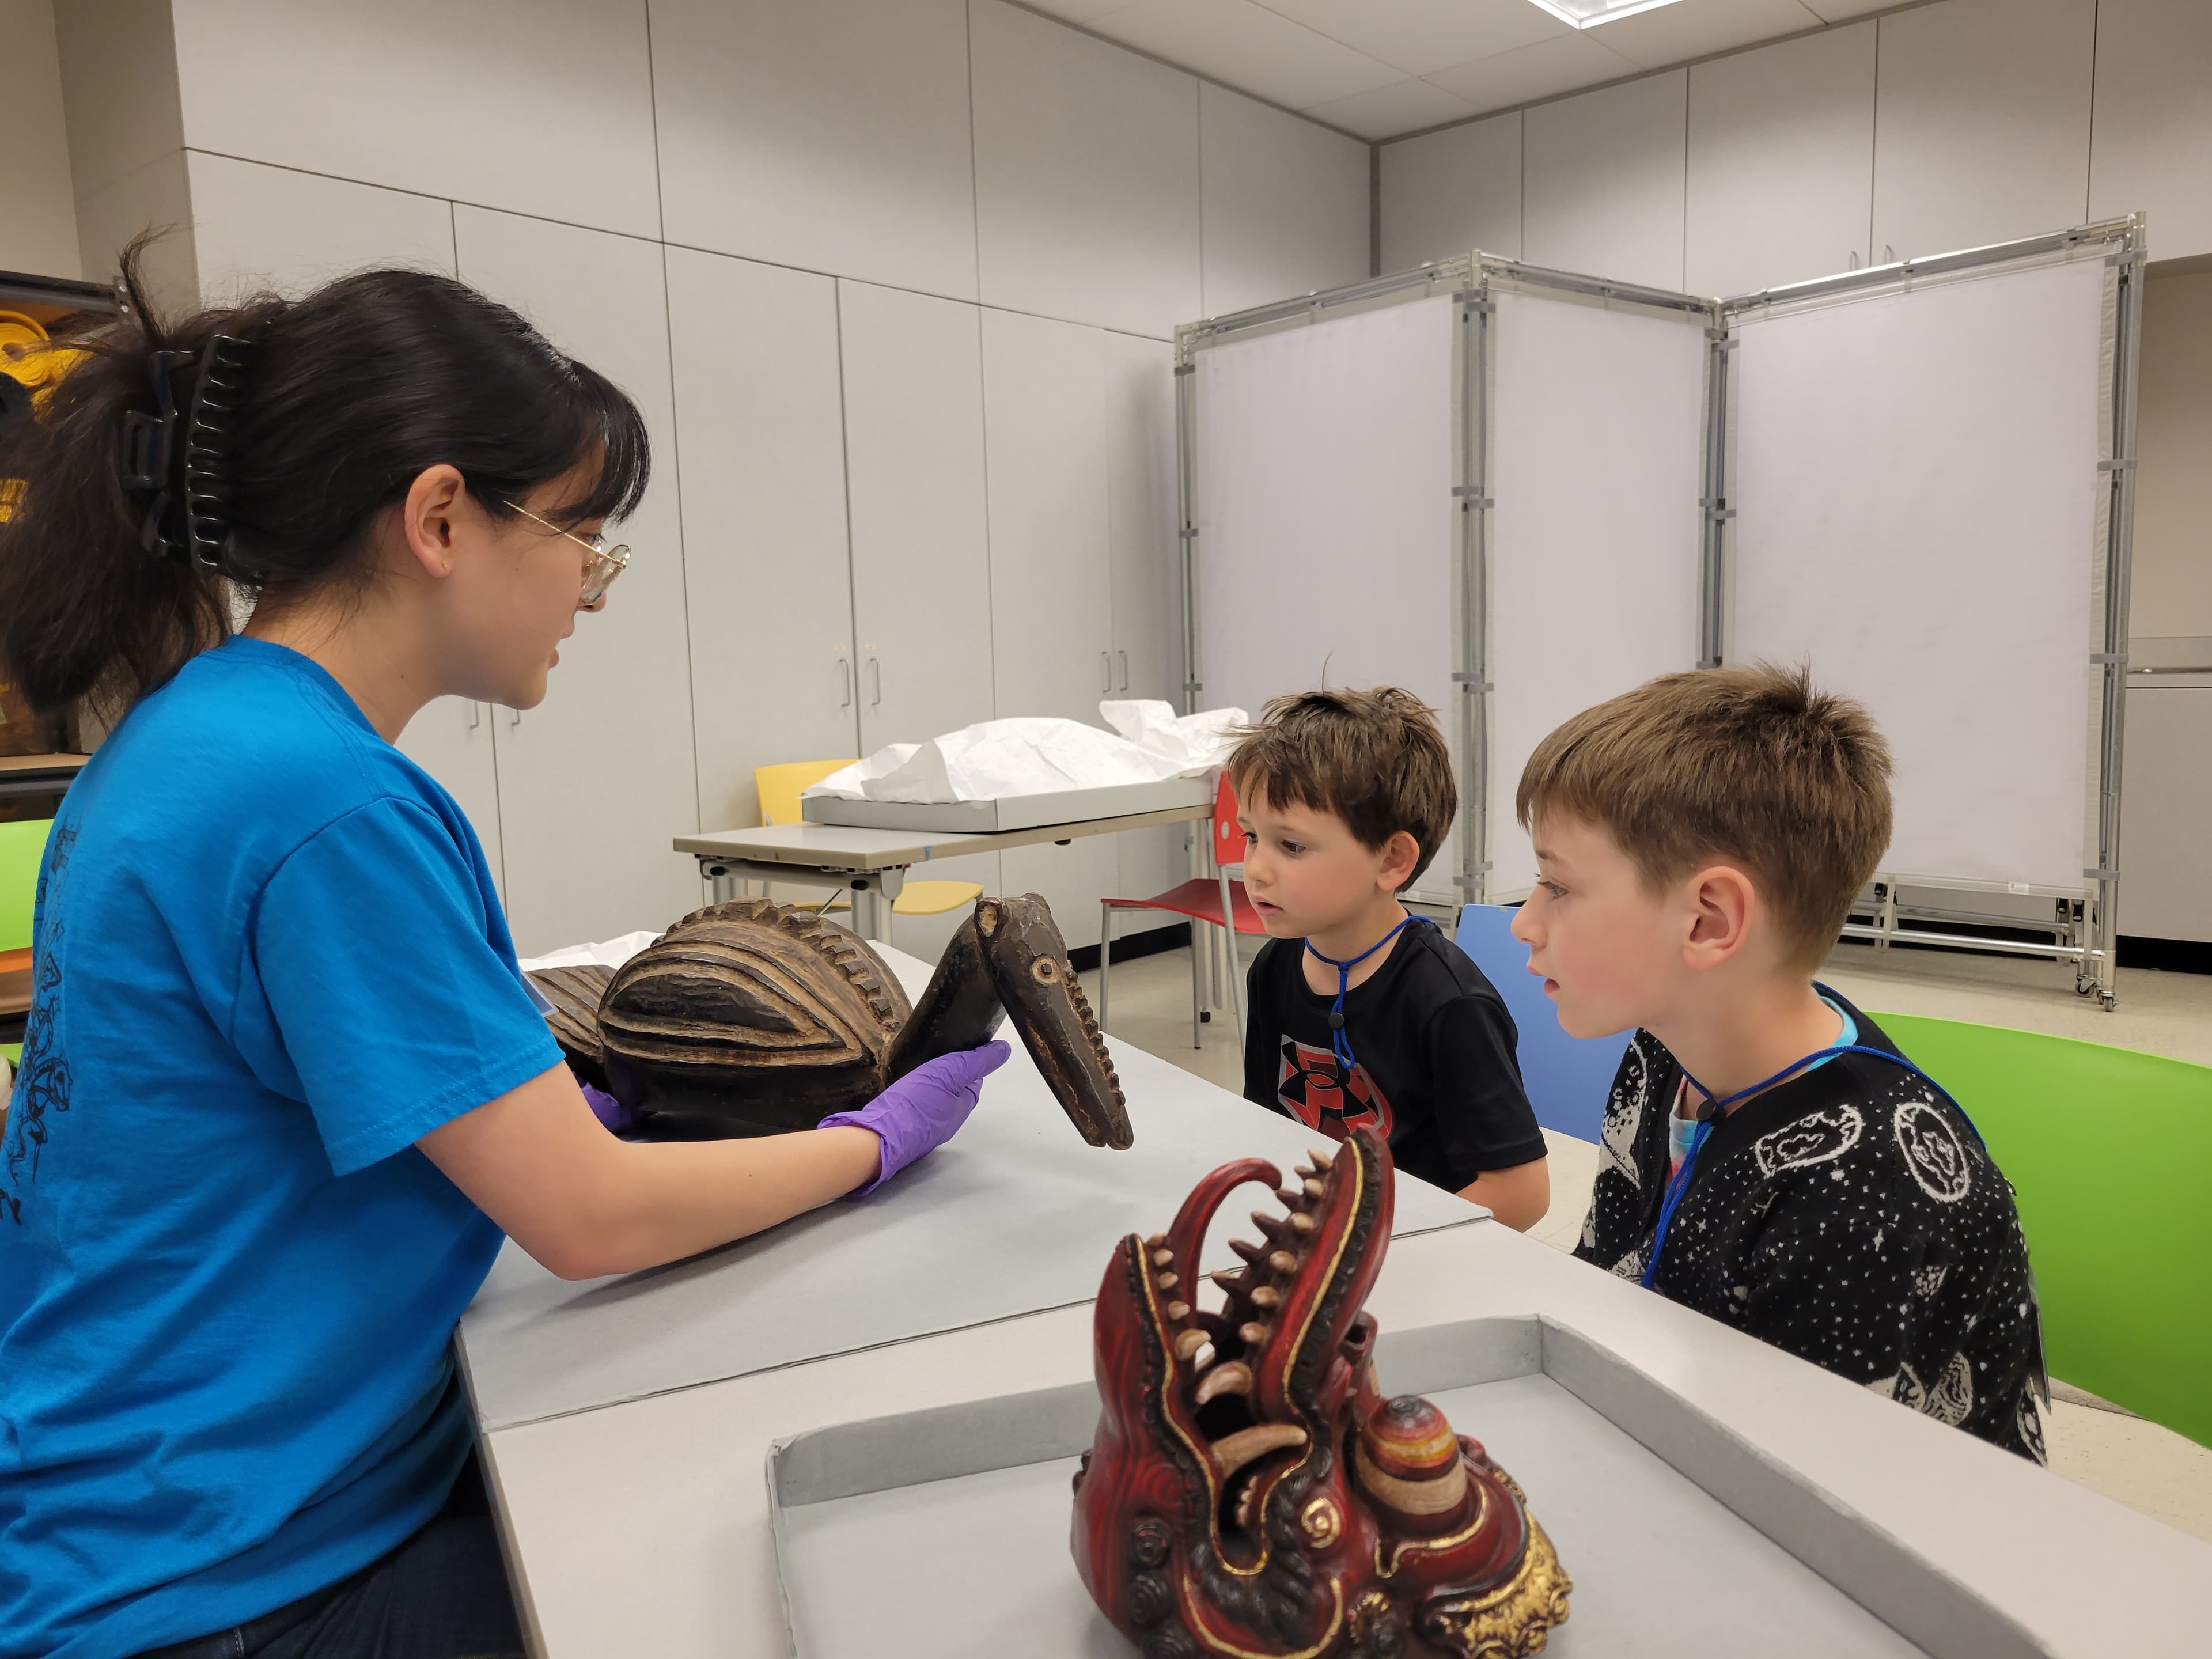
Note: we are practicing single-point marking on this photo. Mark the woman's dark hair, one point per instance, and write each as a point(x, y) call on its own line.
point(290, 424)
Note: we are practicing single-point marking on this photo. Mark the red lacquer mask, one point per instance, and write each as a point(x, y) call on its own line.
point(1251, 1493)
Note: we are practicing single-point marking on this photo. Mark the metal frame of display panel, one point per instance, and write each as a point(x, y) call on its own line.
point(2084, 925)
point(1470, 279)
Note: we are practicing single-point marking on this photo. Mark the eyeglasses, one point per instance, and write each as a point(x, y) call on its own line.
point(600, 569)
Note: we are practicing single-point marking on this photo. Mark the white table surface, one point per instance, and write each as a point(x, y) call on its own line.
point(643, 1528)
point(1016, 1214)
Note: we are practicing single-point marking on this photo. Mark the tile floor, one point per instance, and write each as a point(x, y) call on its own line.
point(2136, 1463)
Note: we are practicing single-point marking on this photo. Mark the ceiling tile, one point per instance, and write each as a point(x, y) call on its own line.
point(1249, 47)
point(1542, 70)
point(1090, 11)
point(1418, 36)
point(1402, 106)
point(1832, 10)
point(1699, 29)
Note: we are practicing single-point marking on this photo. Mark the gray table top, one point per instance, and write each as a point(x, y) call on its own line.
point(1015, 1215)
point(839, 847)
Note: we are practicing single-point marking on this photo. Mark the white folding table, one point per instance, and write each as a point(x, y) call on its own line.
point(872, 863)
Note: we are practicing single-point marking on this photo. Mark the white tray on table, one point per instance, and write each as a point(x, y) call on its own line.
point(945, 1532)
point(1010, 812)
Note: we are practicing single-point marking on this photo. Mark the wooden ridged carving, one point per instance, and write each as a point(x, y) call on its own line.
point(753, 1018)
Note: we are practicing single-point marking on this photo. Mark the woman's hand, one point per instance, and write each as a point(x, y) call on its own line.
point(923, 1109)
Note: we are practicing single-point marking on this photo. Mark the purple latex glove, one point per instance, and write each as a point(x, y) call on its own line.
point(923, 1109)
point(604, 1107)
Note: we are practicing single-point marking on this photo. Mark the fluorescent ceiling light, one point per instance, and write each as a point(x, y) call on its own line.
point(1588, 13)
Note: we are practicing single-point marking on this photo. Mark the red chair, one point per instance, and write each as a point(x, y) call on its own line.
point(1214, 900)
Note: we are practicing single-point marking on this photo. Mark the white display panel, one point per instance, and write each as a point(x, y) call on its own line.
point(1327, 527)
point(1918, 490)
point(1597, 428)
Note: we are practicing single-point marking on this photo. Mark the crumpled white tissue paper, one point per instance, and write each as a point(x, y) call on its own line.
point(1035, 755)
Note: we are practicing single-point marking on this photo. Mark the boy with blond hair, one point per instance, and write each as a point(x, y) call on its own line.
point(1358, 1012)
point(1769, 1157)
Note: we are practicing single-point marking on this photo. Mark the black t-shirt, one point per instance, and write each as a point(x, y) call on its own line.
point(1433, 1048)
point(1850, 1216)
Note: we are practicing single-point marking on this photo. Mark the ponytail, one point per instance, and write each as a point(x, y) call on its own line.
point(245, 452)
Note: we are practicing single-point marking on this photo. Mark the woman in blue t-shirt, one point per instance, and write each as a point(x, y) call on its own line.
point(281, 1090)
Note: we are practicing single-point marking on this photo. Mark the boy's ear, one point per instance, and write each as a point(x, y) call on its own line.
point(1723, 906)
point(1401, 856)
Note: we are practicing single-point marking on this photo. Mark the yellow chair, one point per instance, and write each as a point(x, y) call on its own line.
point(780, 787)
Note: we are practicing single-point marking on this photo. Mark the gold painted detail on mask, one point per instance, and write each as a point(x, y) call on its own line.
point(1512, 1622)
point(1322, 1522)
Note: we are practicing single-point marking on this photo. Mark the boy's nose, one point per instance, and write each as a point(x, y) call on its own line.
point(1520, 927)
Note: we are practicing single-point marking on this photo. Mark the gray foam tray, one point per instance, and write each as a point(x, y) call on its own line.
point(1010, 812)
point(945, 1532)
point(1015, 1215)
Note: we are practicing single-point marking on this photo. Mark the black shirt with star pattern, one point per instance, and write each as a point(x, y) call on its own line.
point(1850, 1215)
point(1434, 1069)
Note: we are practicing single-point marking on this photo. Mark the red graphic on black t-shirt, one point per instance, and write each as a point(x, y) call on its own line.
point(1314, 1090)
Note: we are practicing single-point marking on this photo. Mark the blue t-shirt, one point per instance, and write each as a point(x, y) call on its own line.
point(269, 957)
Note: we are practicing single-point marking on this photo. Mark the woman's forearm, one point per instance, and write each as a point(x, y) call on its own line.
point(676, 1198)
point(584, 1204)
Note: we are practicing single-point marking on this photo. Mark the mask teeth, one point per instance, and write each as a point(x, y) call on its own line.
point(1091, 1028)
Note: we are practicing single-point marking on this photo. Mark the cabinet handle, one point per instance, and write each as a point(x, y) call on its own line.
point(476, 714)
point(1105, 672)
point(875, 682)
point(844, 683)
point(1124, 656)
point(514, 717)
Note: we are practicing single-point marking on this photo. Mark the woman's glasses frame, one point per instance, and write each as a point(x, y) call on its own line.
point(600, 568)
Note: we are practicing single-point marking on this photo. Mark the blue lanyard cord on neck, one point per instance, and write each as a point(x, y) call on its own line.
point(1712, 1109)
point(1338, 1042)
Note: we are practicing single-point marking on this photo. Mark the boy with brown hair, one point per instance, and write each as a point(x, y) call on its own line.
point(1357, 1012)
point(1769, 1157)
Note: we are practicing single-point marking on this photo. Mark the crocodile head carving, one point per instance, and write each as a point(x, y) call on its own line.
point(1250, 1492)
point(753, 1017)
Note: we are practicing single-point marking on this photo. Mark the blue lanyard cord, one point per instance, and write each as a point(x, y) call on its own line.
point(1337, 1041)
point(1711, 1111)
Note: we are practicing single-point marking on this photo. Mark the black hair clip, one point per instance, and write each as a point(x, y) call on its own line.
point(207, 448)
point(148, 445)
point(186, 470)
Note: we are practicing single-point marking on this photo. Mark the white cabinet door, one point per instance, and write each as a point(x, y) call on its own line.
point(1285, 203)
point(1602, 181)
point(538, 106)
point(2151, 149)
point(450, 738)
point(1044, 423)
point(831, 136)
point(921, 569)
point(769, 592)
point(1086, 176)
point(595, 782)
point(2168, 892)
point(1147, 579)
point(1781, 170)
point(256, 228)
point(913, 457)
point(1982, 122)
point(1072, 879)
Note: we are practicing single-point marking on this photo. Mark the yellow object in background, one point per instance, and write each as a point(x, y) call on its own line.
point(780, 787)
point(28, 354)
